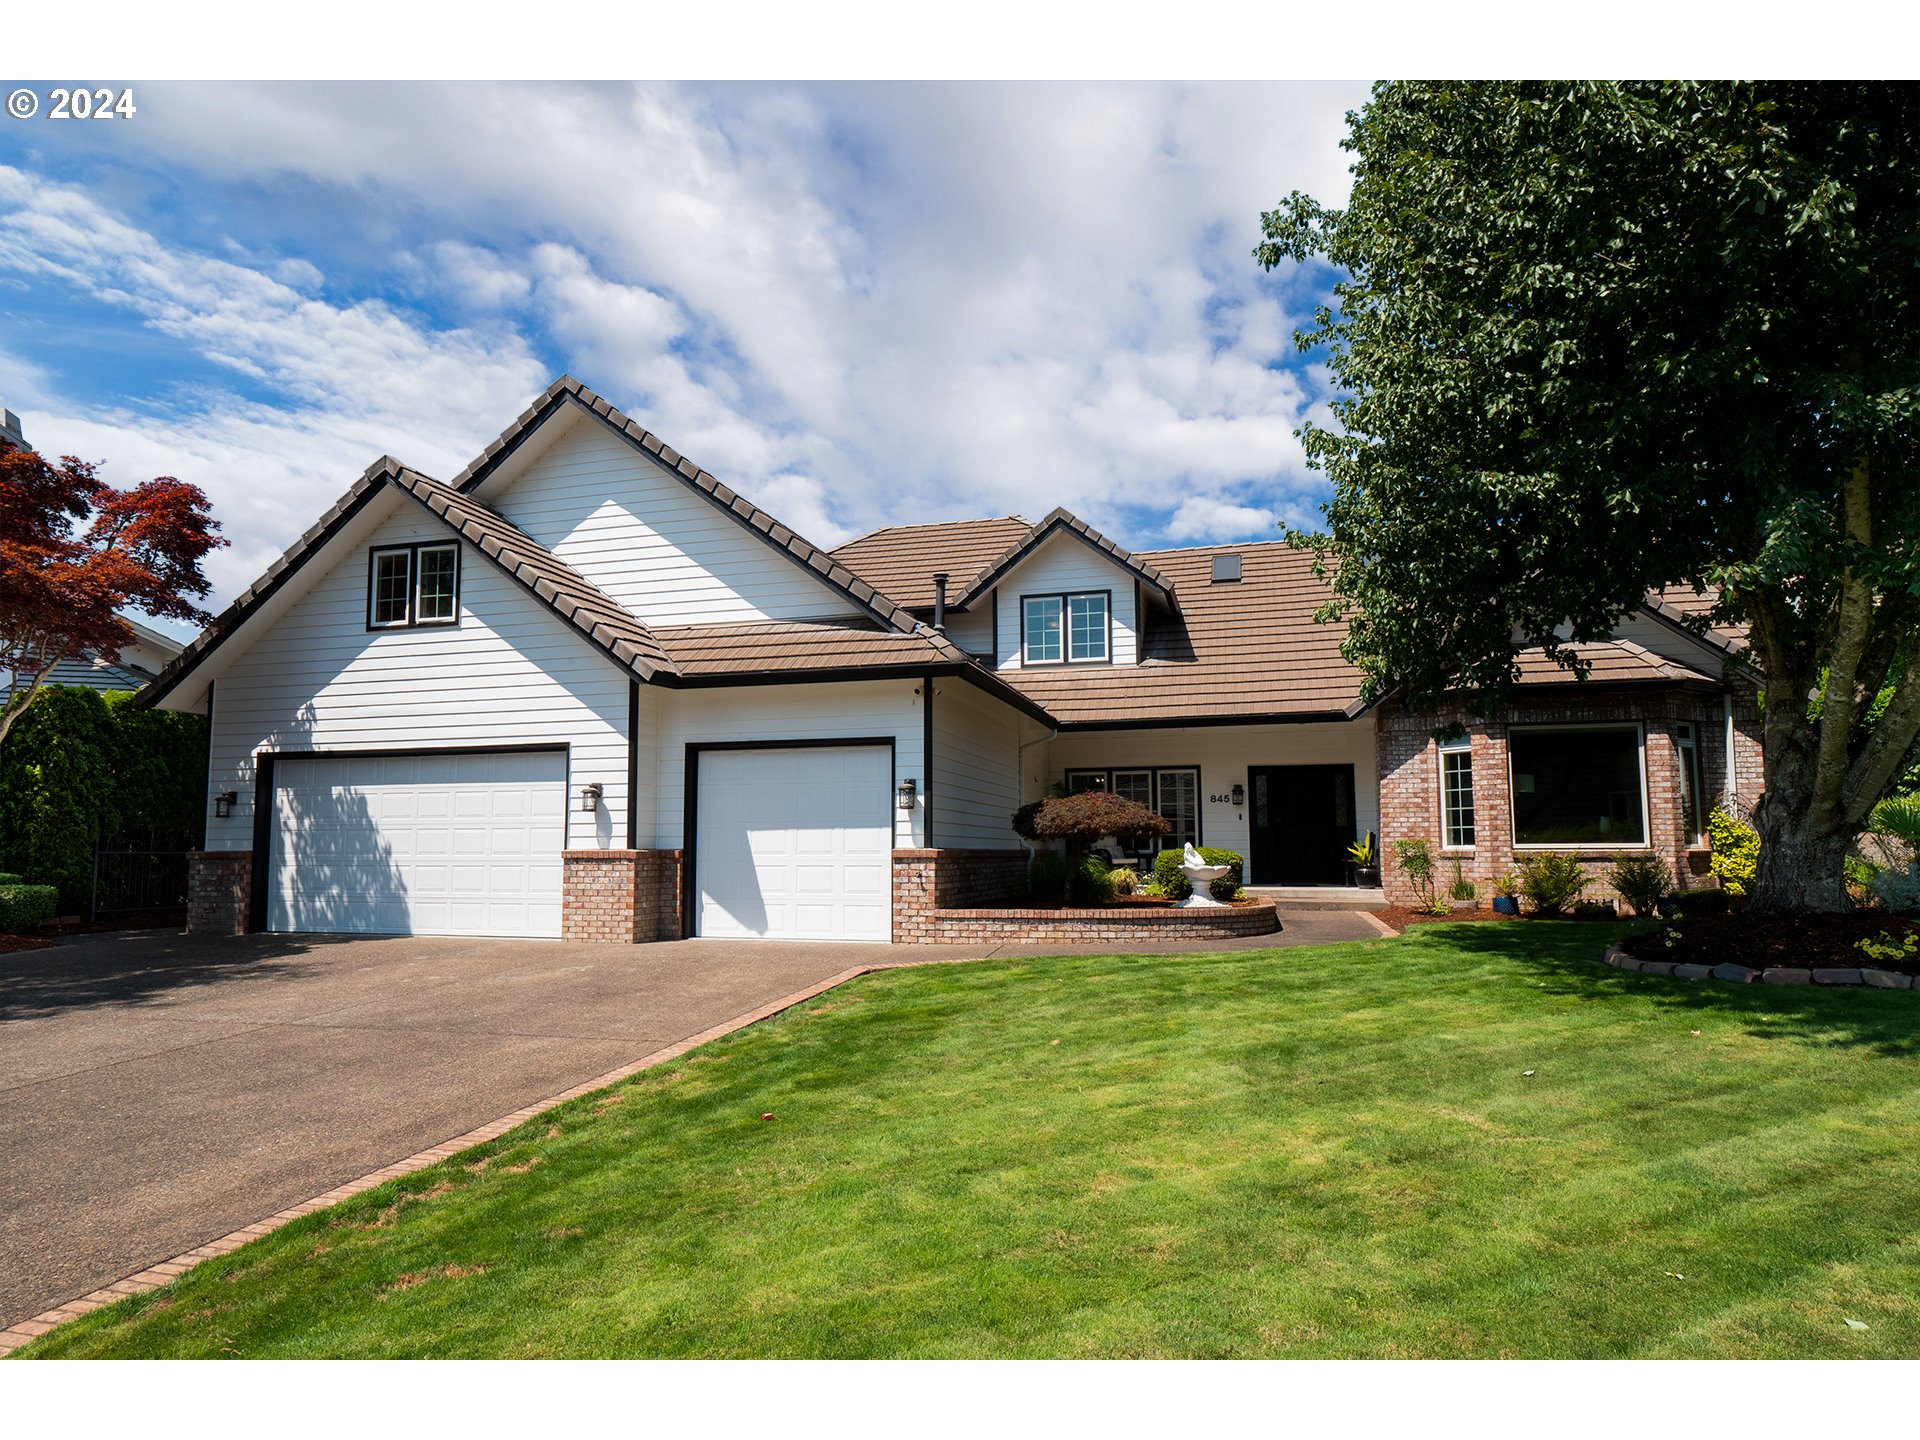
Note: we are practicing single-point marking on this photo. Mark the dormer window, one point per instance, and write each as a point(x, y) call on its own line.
point(1065, 629)
point(413, 585)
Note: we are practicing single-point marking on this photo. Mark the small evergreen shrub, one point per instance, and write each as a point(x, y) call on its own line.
point(1047, 878)
point(1736, 851)
point(1641, 880)
point(1090, 882)
point(1551, 882)
point(6, 879)
point(1168, 880)
point(24, 908)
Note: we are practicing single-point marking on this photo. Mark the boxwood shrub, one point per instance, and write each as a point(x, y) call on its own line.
point(1168, 879)
point(25, 908)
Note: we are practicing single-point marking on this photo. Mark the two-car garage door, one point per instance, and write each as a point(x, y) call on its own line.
point(431, 844)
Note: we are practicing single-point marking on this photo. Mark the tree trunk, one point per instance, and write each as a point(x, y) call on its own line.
point(1802, 864)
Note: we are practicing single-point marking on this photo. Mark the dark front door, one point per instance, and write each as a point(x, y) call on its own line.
point(1302, 824)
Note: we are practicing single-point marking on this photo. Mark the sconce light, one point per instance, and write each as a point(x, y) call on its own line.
point(224, 802)
point(906, 793)
point(590, 798)
point(1239, 793)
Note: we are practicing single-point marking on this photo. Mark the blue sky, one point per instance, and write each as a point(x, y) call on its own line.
point(858, 304)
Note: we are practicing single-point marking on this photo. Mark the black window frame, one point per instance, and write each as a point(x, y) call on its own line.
point(1066, 599)
point(412, 552)
point(1105, 773)
point(1639, 732)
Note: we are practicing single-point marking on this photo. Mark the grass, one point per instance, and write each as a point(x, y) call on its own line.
point(1469, 1141)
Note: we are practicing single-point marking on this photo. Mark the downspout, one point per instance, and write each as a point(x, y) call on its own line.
point(1733, 793)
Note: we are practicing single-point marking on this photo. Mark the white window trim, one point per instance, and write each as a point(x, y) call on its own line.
point(1646, 810)
point(419, 571)
point(380, 552)
point(1066, 599)
point(1442, 749)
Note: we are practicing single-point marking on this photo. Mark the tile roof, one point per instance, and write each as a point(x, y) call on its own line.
point(772, 646)
point(1684, 606)
point(567, 390)
point(1057, 520)
point(899, 561)
point(1615, 661)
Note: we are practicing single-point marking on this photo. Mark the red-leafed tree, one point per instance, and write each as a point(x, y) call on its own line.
point(74, 550)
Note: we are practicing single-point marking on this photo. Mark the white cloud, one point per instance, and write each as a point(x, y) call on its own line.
point(861, 305)
point(1204, 517)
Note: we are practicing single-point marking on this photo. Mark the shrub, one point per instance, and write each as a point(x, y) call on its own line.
point(1415, 858)
point(1641, 880)
point(1080, 820)
point(1125, 879)
point(1692, 904)
point(1462, 888)
point(1090, 882)
point(6, 879)
point(1047, 877)
point(1168, 880)
point(1898, 818)
point(26, 907)
point(1736, 851)
point(1551, 882)
point(1897, 890)
point(1023, 818)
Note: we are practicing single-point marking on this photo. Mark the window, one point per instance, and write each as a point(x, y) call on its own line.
point(1070, 628)
point(413, 585)
point(1456, 794)
point(1172, 792)
point(1691, 815)
point(1577, 785)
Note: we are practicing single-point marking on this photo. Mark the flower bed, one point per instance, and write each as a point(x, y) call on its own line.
point(1127, 920)
point(1785, 950)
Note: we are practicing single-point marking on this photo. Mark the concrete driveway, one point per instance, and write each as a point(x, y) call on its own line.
point(159, 1090)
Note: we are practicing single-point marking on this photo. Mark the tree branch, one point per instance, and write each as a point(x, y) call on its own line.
point(1853, 626)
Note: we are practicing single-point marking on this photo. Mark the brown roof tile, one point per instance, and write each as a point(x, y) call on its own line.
point(773, 646)
point(899, 561)
point(1060, 519)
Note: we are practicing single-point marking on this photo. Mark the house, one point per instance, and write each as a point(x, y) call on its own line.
point(584, 689)
point(140, 661)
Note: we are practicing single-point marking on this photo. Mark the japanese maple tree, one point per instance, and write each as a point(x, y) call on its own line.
point(74, 550)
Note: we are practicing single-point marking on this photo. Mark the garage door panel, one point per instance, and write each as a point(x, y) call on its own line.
point(443, 844)
point(795, 843)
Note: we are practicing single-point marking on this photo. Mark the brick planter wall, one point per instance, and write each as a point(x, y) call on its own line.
point(938, 897)
point(1410, 780)
point(622, 897)
point(219, 891)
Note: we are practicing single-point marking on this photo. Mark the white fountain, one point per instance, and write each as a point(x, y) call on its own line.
point(1201, 876)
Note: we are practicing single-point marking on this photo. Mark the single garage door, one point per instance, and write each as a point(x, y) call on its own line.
point(419, 845)
point(795, 844)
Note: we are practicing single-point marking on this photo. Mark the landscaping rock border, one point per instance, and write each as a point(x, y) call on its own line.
point(1744, 975)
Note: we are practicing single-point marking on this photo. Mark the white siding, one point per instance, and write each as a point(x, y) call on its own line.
point(972, 630)
point(1224, 755)
point(976, 768)
point(871, 709)
point(649, 540)
point(1064, 565)
point(511, 672)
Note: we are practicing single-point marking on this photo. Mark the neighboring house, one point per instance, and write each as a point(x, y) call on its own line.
point(140, 661)
point(584, 689)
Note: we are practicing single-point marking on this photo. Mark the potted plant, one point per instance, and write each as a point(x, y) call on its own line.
point(1464, 893)
point(1506, 892)
point(1366, 862)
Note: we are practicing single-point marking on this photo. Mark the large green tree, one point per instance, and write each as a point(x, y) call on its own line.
point(1597, 338)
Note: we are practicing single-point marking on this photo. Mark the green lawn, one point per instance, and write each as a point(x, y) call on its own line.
point(1471, 1141)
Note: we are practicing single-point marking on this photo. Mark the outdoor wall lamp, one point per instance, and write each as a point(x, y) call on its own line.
point(590, 798)
point(906, 793)
point(1239, 793)
point(224, 802)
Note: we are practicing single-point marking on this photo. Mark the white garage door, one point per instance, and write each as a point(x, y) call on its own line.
point(795, 844)
point(419, 845)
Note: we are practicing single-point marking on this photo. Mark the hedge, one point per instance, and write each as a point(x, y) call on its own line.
point(26, 907)
point(1168, 877)
point(81, 765)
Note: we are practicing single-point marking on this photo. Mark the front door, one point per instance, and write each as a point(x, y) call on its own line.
point(1302, 824)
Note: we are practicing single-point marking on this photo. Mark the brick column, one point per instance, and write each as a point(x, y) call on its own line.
point(621, 897)
point(219, 891)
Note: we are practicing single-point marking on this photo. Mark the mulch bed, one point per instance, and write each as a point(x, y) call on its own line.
point(1787, 942)
point(9, 944)
point(1119, 902)
point(1400, 918)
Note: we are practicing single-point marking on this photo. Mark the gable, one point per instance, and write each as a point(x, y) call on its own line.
point(1064, 564)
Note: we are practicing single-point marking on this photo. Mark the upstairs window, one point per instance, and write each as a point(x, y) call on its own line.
point(1069, 629)
point(413, 585)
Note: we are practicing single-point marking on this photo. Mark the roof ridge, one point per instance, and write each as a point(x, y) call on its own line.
point(781, 536)
point(1063, 518)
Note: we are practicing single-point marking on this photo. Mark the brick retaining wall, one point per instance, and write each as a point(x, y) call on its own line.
point(219, 891)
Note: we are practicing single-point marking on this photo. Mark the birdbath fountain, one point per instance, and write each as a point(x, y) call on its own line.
point(1201, 876)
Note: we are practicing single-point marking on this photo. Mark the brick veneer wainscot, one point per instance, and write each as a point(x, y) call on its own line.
point(620, 897)
point(219, 891)
point(1410, 779)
